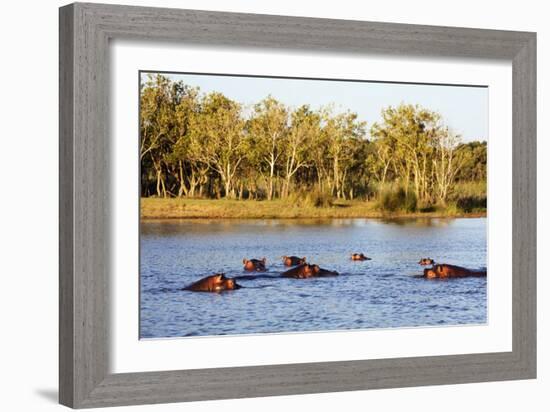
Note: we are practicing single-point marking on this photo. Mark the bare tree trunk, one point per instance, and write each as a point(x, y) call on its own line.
point(241, 190)
point(335, 170)
point(319, 181)
point(183, 188)
point(343, 183)
point(416, 182)
point(286, 186)
point(270, 190)
point(164, 193)
point(158, 182)
point(227, 185)
point(385, 172)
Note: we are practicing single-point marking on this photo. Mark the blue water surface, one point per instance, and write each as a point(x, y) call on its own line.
point(385, 292)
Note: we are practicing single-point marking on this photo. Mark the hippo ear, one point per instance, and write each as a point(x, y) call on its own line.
point(244, 261)
point(263, 259)
point(304, 259)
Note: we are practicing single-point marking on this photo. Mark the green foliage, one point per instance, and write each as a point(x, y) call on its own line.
point(474, 167)
point(197, 145)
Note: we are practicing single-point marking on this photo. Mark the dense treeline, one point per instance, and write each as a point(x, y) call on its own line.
point(209, 146)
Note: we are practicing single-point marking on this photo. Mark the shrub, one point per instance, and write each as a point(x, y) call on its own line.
point(470, 204)
point(392, 199)
point(317, 198)
point(311, 198)
point(470, 196)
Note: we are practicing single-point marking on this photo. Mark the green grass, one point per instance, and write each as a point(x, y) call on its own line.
point(156, 208)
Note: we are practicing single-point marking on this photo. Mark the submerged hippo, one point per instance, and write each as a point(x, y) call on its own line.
point(445, 271)
point(254, 265)
point(359, 256)
point(293, 260)
point(426, 262)
point(213, 283)
point(320, 272)
point(302, 271)
point(305, 270)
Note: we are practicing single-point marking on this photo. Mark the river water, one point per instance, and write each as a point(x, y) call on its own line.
point(384, 292)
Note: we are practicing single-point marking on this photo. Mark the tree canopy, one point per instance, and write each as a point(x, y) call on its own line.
point(208, 145)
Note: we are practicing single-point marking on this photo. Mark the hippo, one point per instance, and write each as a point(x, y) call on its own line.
point(293, 260)
point(426, 262)
point(254, 265)
point(213, 283)
point(302, 271)
point(320, 272)
point(359, 256)
point(306, 270)
point(444, 271)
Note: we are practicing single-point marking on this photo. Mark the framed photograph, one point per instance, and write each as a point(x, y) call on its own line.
point(338, 205)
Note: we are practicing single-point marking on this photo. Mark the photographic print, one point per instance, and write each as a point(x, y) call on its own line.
point(278, 205)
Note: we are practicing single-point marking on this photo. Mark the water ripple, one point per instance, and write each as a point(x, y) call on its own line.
point(385, 292)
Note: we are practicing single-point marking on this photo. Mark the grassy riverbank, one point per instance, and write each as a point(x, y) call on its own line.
point(155, 208)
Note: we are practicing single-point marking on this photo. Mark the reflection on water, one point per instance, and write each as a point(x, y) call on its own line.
point(419, 222)
point(174, 226)
point(384, 292)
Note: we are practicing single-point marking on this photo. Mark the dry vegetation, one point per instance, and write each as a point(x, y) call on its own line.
point(174, 208)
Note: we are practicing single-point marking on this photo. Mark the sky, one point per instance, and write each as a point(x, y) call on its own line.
point(463, 108)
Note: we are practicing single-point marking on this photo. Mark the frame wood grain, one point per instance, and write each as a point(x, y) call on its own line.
point(85, 31)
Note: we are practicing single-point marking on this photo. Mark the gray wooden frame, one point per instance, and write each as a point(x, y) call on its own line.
point(85, 31)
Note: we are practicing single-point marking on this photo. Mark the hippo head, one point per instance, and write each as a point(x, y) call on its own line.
point(434, 272)
point(314, 269)
point(230, 284)
point(430, 273)
point(307, 271)
point(294, 260)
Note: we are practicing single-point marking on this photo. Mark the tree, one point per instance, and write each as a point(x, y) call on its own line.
point(181, 162)
point(194, 144)
point(305, 125)
point(268, 129)
point(217, 137)
point(409, 130)
point(342, 131)
point(474, 158)
point(158, 100)
point(320, 162)
point(381, 163)
point(446, 163)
